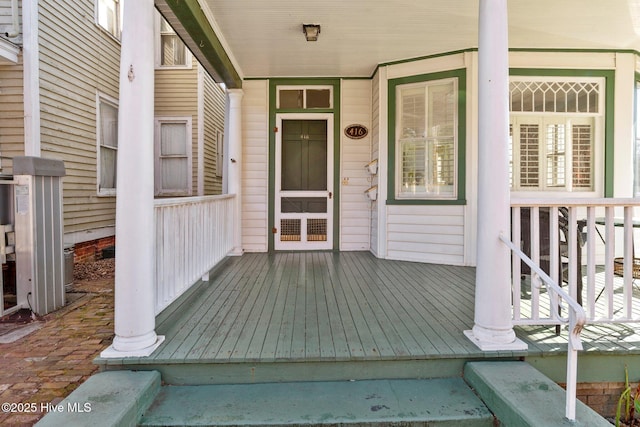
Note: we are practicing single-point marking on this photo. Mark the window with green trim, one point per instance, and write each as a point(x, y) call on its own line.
point(554, 133)
point(426, 139)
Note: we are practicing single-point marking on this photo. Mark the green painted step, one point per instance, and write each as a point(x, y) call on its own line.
point(434, 402)
point(521, 396)
point(117, 398)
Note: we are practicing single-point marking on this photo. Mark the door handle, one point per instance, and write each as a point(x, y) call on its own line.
point(330, 194)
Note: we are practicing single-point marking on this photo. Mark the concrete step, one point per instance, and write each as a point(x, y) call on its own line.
point(521, 396)
point(434, 402)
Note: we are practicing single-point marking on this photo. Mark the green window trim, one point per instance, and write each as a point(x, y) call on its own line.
point(273, 112)
point(609, 112)
point(460, 199)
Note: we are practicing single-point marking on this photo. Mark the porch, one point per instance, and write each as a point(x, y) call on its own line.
point(309, 316)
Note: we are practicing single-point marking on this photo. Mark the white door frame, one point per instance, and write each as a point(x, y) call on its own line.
point(303, 244)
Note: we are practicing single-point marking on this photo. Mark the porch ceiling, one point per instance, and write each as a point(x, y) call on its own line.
point(264, 38)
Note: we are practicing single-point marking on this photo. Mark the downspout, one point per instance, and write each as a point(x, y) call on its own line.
point(15, 20)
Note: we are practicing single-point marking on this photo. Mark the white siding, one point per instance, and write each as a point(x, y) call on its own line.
point(355, 206)
point(375, 142)
point(426, 234)
point(214, 111)
point(255, 168)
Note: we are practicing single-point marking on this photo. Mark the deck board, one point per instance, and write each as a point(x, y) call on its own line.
point(341, 307)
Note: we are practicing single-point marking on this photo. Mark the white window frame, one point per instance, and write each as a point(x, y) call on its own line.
point(636, 145)
point(115, 32)
point(102, 98)
point(597, 120)
point(219, 153)
point(158, 48)
point(399, 142)
point(187, 121)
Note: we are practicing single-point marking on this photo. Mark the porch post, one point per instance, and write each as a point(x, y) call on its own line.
point(135, 229)
point(234, 164)
point(493, 329)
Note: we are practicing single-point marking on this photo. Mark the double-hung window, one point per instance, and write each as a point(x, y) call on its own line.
point(173, 166)
point(109, 16)
point(553, 133)
point(107, 136)
point(171, 51)
point(426, 140)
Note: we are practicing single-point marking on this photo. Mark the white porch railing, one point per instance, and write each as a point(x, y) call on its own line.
point(192, 235)
point(556, 235)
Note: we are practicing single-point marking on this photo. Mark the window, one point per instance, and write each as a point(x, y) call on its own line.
point(426, 139)
point(109, 16)
point(294, 97)
point(107, 136)
point(173, 156)
point(553, 134)
point(172, 52)
point(219, 153)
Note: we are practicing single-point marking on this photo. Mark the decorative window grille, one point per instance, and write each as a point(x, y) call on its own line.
point(316, 230)
point(290, 230)
point(552, 134)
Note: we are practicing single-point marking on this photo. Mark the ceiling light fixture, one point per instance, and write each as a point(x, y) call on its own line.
point(311, 31)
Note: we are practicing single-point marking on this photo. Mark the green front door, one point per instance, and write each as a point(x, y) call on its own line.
point(303, 199)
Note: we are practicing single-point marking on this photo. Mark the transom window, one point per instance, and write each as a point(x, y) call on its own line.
point(295, 97)
point(426, 145)
point(109, 16)
point(553, 134)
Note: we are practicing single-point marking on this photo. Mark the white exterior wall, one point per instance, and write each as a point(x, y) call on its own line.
point(354, 155)
point(255, 171)
point(375, 151)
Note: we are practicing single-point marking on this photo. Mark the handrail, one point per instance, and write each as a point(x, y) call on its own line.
point(577, 320)
point(580, 317)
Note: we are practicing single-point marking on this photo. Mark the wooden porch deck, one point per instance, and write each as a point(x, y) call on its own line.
point(346, 315)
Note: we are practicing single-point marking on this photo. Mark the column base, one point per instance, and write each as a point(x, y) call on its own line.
point(484, 343)
point(111, 353)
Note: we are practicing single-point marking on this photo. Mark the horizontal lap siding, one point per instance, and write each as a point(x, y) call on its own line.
point(11, 115)
point(214, 111)
point(77, 60)
point(375, 141)
point(255, 170)
point(355, 154)
point(176, 95)
point(426, 233)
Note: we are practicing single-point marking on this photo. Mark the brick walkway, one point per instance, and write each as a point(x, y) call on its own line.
point(47, 365)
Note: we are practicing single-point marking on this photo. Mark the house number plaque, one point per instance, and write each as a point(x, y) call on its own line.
point(356, 131)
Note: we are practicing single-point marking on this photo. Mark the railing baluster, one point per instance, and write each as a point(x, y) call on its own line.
point(609, 254)
point(554, 261)
point(534, 220)
point(591, 261)
point(628, 262)
point(191, 238)
point(516, 263)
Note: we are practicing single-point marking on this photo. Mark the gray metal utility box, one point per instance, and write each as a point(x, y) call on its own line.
point(39, 232)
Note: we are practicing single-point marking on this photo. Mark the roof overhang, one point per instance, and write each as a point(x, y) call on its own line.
point(196, 30)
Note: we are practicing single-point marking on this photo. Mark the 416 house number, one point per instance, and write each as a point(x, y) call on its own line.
point(356, 131)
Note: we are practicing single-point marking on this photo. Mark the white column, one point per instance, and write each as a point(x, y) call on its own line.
point(493, 329)
point(31, 59)
point(135, 230)
point(234, 164)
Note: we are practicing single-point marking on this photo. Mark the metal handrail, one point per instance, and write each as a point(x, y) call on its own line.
point(576, 321)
